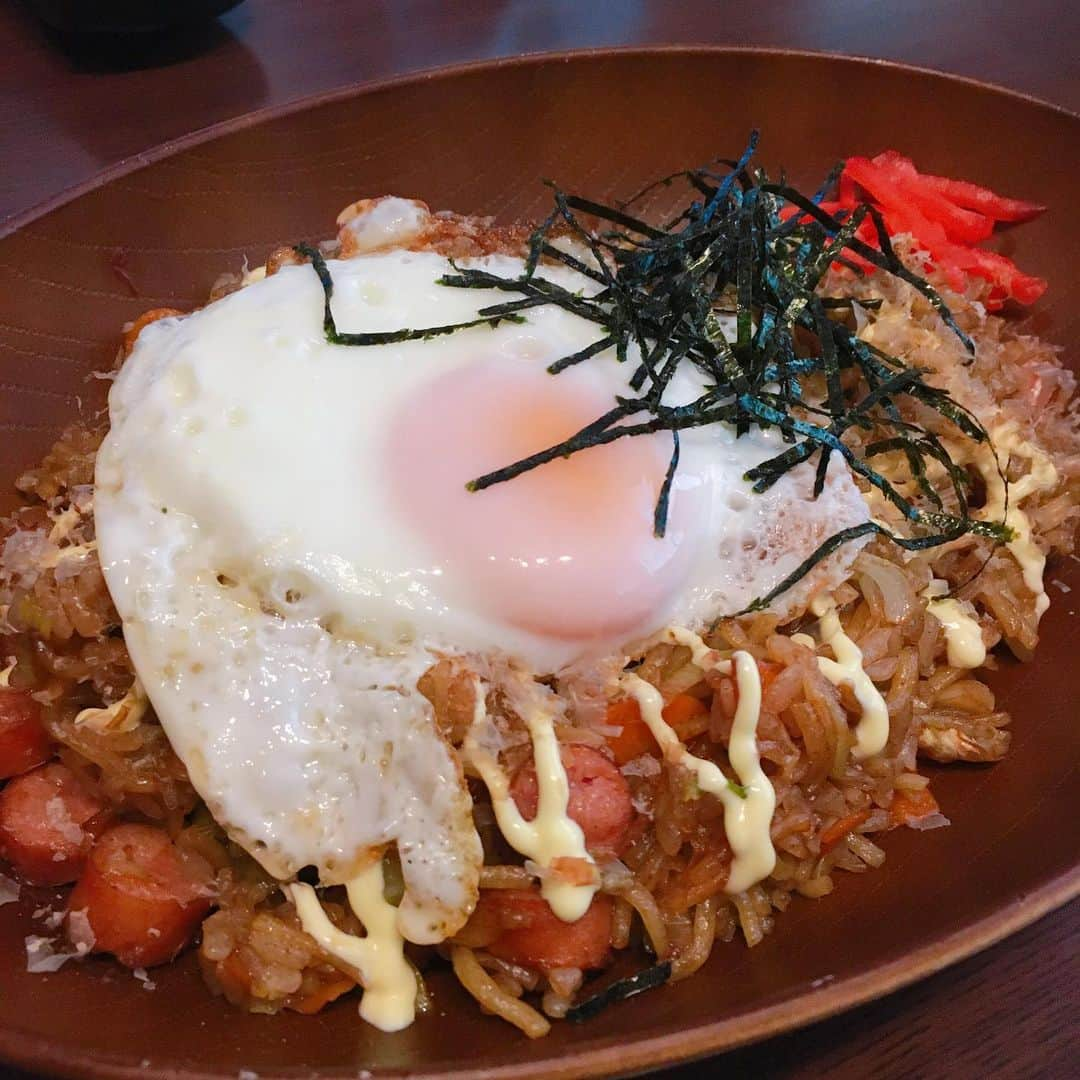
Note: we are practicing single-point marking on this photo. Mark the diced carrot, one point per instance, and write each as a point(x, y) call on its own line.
point(132, 333)
point(599, 798)
point(909, 806)
point(48, 821)
point(836, 832)
point(687, 714)
point(24, 743)
point(634, 737)
point(533, 935)
point(142, 897)
point(234, 977)
point(768, 672)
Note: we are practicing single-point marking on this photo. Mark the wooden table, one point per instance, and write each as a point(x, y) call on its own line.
point(69, 109)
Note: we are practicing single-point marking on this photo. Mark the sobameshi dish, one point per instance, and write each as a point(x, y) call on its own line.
point(521, 598)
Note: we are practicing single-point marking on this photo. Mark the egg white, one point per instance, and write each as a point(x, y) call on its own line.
point(279, 610)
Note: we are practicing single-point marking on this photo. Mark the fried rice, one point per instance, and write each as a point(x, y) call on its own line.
point(667, 891)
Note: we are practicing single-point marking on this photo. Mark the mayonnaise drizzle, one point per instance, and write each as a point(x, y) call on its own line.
point(872, 730)
point(747, 820)
point(389, 1001)
point(963, 635)
point(552, 834)
point(700, 653)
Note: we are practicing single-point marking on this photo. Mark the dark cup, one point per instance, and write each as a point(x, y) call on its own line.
point(124, 16)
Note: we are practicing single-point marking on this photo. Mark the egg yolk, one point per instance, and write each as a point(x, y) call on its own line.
point(564, 550)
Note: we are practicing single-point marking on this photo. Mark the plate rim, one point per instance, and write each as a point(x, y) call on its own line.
point(678, 1048)
point(27, 1050)
point(254, 117)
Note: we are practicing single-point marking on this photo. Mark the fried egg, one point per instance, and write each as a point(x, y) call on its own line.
point(285, 528)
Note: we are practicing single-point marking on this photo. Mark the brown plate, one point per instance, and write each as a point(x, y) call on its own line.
point(477, 139)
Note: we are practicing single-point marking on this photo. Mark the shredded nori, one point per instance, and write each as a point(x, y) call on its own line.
point(663, 290)
point(389, 337)
point(646, 979)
